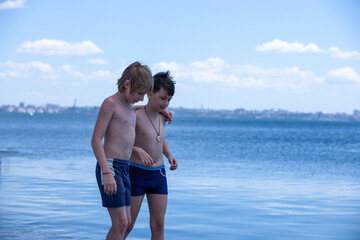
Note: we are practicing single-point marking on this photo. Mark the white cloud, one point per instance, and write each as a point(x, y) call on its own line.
point(163, 66)
point(34, 65)
point(286, 47)
point(12, 4)
point(216, 71)
point(211, 63)
point(11, 74)
point(13, 69)
point(337, 53)
point(213, 70)
point(59, 47)
point(97, 61)
point(345, 75)
point(29, 66)
point(80, 75)
point(100, 74)
point(68, 69)
point(35, 69)
point(288, 77)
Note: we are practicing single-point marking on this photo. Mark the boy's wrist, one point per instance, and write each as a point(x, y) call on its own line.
point(105, 173)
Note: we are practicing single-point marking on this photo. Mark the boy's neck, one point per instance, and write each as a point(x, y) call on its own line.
point(124, 101)
point(150, 111)
point(122, 97)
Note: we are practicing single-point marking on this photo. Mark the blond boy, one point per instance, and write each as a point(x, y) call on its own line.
point(116, 124)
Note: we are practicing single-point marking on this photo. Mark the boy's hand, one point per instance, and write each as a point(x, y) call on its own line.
point(137, 107)
point(145, 158)
point(109, 184)
point(168, 115)
point(173, 163)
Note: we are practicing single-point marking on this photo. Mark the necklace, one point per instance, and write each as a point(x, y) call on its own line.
point(158, 138)
point(127, 106)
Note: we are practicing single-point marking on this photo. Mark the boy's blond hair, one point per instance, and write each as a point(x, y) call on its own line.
point(140, 78)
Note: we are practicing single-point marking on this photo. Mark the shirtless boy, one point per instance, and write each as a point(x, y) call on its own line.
point(147, 172)
point(116, 123)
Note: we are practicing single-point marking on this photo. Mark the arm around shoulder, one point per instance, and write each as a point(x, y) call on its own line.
point(168, 115)
point(138, 107)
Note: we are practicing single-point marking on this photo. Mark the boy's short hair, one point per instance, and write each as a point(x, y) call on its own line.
point(164, 80)
point(140, 78)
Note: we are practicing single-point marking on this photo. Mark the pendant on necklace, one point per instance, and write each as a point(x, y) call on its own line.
point(158, 138)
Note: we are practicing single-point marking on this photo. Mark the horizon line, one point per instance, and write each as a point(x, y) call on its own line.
point(192, 108)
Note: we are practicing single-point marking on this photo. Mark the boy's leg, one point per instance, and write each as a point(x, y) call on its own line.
point(157, 207)
point(120, 219)
point(136, 202)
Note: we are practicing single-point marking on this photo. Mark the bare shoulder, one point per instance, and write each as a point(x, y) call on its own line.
point(104, 117)
point(140, 113)
point(138, 107)
point(107, 108)
point(109, 103)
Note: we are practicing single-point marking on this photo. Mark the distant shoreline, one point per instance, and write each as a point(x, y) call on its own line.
point(196, 112)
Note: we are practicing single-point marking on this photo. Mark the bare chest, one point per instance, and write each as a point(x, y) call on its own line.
point(150, 131)
point(123, 121)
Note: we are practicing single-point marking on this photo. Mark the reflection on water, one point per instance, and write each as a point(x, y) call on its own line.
point(236, 180)
point(51, 200)
point(256, 208)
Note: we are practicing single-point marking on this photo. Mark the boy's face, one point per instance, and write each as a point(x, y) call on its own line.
point(132, 97)
point(135, 97)
point(159, 100)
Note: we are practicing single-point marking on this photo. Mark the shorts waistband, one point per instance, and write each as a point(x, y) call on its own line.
point(146, 168)
point(118, 161)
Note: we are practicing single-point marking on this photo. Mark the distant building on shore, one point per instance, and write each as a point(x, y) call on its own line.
point(239, 113)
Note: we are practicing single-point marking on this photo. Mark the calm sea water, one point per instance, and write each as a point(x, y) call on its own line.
point(237, 179)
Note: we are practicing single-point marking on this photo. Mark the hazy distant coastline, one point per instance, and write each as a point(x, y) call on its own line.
point(239, 113)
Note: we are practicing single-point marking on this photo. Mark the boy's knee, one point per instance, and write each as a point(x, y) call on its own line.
point(121, 225)
point(157, 225)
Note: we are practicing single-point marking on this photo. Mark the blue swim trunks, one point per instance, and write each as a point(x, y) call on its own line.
point(120, 171)
point(147, 180)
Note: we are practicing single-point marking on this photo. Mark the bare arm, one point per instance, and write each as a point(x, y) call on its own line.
point(167, 114)
point(137, 107)
point(101, 125)
point(173, 162)
point(145, 158)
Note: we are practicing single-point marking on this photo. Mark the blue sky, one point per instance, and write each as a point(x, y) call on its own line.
point(292, 55)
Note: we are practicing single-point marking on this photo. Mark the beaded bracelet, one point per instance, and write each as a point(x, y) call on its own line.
point(106, 173)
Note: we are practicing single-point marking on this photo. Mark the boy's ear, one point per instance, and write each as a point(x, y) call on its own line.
point(127, 84)
point(149, 95)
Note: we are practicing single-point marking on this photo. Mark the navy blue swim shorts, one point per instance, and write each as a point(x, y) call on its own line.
point(147, 180)
point(120, 171)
